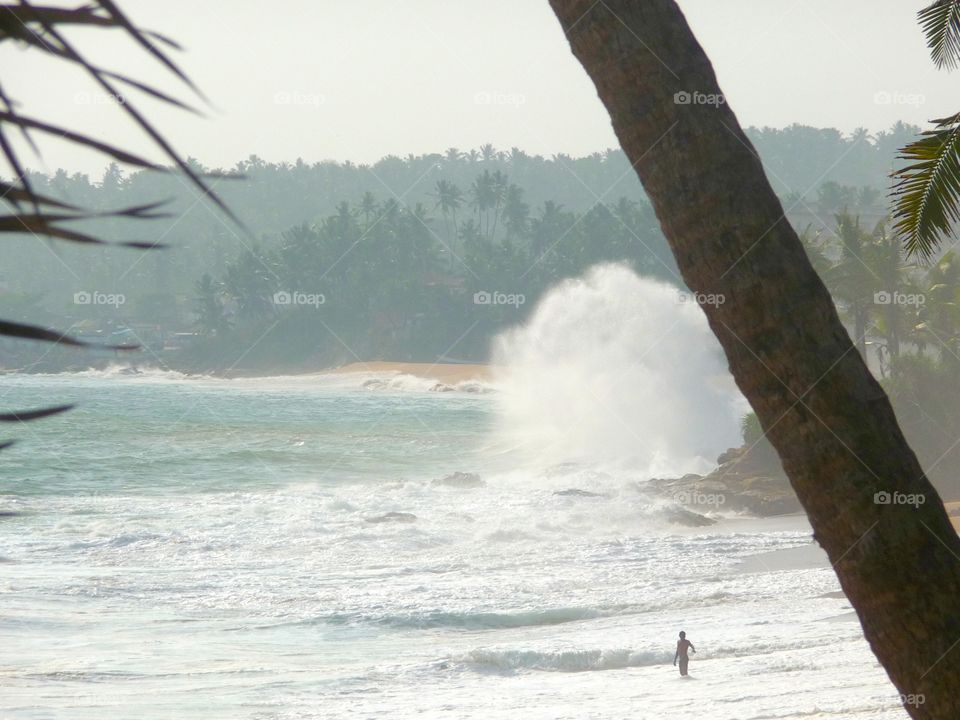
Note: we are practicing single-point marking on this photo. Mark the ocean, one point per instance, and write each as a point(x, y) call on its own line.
point(302, 547)
point(182, 547)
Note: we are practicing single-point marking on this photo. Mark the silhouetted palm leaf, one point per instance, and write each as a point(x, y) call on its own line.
point(25, 415)
point(43, 223)
point(15, 19)
point(927, 191)
point(33, 332)
point(38, 27)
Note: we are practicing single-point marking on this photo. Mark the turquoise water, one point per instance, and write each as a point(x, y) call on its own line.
point(196, 436)
point(197, 548)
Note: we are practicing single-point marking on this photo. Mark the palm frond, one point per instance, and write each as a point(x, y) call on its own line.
point(26, 415)
point(21, 416)
point(39, 28)
point(34, 332)
point(940, 22)
point(926, 193)
point(141, 39)
point(15, 20)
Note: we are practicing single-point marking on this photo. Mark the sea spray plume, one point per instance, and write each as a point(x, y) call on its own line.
point(615, 369)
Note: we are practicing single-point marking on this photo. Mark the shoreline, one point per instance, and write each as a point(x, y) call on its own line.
point(445, 372)
point(441, 372)
point(770, 500)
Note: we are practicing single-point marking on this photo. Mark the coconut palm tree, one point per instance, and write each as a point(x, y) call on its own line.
point(517, 155)
point(452, 155)
point(483, 198)
point(211, 320)
point(488, 152)
point(833, 197)
point(868, 198)
point(498, 187)
point(516, 212)
point(851, 280)
point(939, 325)
point(927, 191)
point(824, 412)
point(367, 208)
point(896, 313)
point(449, 197)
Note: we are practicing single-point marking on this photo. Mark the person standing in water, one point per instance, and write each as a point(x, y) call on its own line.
point(682, 645)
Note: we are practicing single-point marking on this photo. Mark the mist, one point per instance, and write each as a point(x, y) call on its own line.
point(350, 370)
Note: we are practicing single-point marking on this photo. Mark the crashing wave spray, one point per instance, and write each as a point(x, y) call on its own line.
point(614, 369)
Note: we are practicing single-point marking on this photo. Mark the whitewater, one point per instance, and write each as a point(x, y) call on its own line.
point(295, 547)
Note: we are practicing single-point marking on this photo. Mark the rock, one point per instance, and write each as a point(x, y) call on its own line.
point(474, 387)
point(396, 517)
point(744, 482)
point(729, 455)
point(577, 492)
point(682, 516)
point(461, 480)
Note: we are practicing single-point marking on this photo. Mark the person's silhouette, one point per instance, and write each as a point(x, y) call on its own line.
point(682, 645)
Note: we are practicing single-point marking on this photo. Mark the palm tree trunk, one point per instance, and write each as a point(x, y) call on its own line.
point(828, 418)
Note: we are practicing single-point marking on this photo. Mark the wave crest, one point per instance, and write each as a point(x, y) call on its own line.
point(563, 660)
point(481, 620)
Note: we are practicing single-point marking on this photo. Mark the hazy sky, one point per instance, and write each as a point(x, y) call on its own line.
point(358, 79)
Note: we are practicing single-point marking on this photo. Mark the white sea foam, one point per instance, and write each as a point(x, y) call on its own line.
point(198, 548)
point(564, 660)
point(612, 367)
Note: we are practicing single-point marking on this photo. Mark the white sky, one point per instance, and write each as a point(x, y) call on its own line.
point(358, 79)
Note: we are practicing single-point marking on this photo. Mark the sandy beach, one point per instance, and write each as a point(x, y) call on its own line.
point(953, 510)
point(441, 372)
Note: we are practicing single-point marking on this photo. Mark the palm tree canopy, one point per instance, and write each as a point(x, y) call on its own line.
point(927, 191)
point(940, 22)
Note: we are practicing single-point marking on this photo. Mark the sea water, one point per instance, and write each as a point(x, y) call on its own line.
point(190, 547)
point(195, 548)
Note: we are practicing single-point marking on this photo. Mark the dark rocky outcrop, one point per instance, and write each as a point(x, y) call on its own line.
point(745, 481)
point(682, 516)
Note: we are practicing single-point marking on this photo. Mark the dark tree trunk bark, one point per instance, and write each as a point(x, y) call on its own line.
point(828, 418)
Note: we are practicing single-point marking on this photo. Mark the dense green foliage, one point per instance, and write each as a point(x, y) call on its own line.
point(357, 262)
point(904, 317)
point(397, 249)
